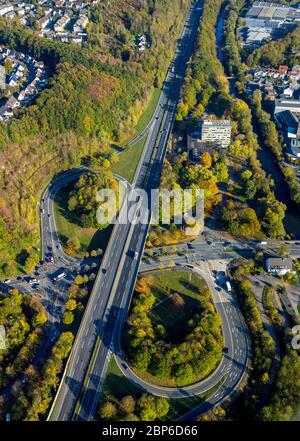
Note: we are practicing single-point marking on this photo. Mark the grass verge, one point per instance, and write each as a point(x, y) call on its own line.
point(129, 160)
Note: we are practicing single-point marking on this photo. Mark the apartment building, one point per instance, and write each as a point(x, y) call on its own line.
point(217, 132)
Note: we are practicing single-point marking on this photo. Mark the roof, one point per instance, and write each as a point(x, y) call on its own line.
point(216, 122)
point(280, 262)
point(287, 103)
point(287, 118)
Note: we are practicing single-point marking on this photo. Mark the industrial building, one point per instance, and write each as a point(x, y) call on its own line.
point(264, 20)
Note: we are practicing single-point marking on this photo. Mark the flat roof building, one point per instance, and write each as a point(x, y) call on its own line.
point(279, 265)
point(217, 132)
point(286, 104)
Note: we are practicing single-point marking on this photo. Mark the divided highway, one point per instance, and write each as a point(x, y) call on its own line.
point(78, 394)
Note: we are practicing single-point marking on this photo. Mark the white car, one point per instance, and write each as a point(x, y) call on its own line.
point(7, 281)
point(31, 281)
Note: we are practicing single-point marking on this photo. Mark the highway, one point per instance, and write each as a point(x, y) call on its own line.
point(78, 394)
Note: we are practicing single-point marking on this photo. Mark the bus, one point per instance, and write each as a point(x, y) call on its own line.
point(228, 286)
point(59, 277)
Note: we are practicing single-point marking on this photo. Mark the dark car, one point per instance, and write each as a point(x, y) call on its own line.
point(225, 350)
point(124, 365)
point(104, 271)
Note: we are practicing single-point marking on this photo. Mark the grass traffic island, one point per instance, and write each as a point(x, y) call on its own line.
point(173, 334)
point(68, 225)
point(122, 400)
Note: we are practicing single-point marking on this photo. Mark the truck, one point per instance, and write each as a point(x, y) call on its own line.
point(228, 286)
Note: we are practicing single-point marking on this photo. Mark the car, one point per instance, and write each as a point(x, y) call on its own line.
point(218, 288)
point(32, 281)
point(7, 281)
point(104, 271)
point(124, 365)
point(49, 215)
point(225, 350)
point(19, 278)
point(7, 417)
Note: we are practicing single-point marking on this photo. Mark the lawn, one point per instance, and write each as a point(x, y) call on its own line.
point(67, 225)
point(166, 284)
point(147, 115)
point(118, 386)
point(129, 159)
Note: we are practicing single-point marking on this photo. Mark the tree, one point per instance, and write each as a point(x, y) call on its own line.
point(127, 404)
point(177, 300)
point(162, 407)
point(40, 318)
point(108, 410)
point(184, 373)
point(68, 318)
point(206, 160)
point(31, 261)
point(283, 250)
point(71, 305)
point(73, 244)
point(147, 408)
